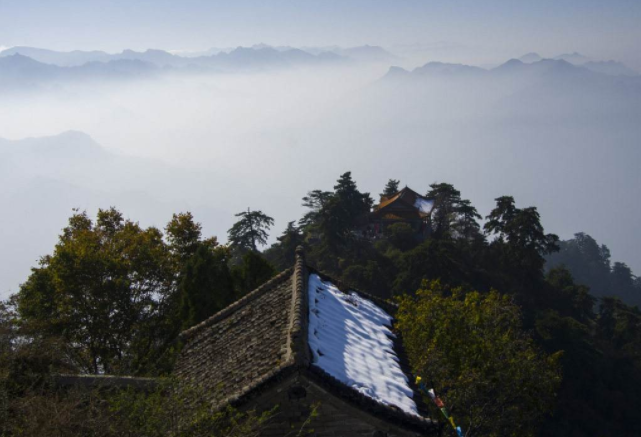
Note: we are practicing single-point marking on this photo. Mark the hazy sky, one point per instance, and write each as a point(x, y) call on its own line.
point(491, 29)
point(566, 144)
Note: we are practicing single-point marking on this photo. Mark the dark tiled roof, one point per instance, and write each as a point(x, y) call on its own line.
point(243, 345)
point(262, 338)
point(399, 204)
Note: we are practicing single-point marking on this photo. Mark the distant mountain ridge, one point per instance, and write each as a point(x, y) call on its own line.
point(212, 57)
point(33, 69)
point(18, 72)
point(612, 68)
point(519, 66)
point(440, 68)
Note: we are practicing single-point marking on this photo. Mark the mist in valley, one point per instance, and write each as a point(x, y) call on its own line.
point(556, 135)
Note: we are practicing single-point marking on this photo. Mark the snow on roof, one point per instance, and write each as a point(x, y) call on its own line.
point(351, 340)
point(424, 205)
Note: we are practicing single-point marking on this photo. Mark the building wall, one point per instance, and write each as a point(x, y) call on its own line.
point(296, 399)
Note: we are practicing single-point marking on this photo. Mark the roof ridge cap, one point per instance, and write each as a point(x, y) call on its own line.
point(232, 308)
point(298, 351)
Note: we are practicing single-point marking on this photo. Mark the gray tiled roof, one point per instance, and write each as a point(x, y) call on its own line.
point(262, 338)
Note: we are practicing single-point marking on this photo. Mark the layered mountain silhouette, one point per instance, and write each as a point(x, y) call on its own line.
point(552, 68)
point(27, 67)
point(261, 55)
point(548, 89)
point(19, 72)
point(612, 68)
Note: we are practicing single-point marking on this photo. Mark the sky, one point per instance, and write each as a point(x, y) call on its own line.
point(491, 29)
point(570, 149)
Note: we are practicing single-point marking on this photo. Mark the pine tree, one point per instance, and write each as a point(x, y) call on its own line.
point(289, 241)
point(354, 202)
point(391, 188)
point(206, 286)
point(522, 232)
point(444, 213)
point(251, 230)
point(253, 271)
point(315, 200)
point(466, 224)
point(343, 212)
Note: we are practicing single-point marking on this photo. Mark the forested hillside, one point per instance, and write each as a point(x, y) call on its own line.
point(590, 264)
point(520, 333)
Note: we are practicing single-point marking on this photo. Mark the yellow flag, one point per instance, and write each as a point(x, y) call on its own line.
point(452, 422)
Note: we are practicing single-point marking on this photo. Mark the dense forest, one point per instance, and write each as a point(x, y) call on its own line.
point(520, 333)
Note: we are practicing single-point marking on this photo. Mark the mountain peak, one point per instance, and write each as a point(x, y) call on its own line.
point(396, 72)
point(528, 58)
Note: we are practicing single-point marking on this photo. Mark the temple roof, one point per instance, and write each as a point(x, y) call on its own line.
point(287, 326)
point(407, 201)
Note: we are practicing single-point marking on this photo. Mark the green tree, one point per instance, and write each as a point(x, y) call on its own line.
point(588, 262)
point(432, 259)
point(471, 349)
point(283, 253)
point(445, 211)
point(98, 289)
point(185, 236)
point(206, 286)
point(401, 236)
point(355, 203)
point(568, 297)
point(622, 283)
point(343, 212)
point(250, 230)
point(252, 272)
point(168, 408)
point(315, 201)
point(466, 224)
point(521, 232)
point(391, 188)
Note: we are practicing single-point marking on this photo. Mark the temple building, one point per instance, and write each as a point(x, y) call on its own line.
point(406, 206)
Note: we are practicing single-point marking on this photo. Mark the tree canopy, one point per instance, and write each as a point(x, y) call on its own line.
point(250, 230)
point(473, 351)
point(116, 295)
point(391, 188)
